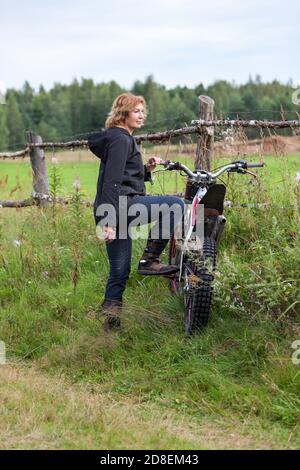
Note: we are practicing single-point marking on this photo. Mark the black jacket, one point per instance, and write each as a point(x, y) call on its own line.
point(122, 171)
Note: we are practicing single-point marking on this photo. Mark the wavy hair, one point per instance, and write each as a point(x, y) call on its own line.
point(122, 105)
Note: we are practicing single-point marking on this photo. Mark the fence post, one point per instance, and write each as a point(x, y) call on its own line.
point(39, 171)
point(204, 153)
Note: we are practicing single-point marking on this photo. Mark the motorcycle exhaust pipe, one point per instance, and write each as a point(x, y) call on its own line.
point(218, 228)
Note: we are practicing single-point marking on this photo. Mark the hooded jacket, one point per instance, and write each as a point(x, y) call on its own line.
point(122, 172)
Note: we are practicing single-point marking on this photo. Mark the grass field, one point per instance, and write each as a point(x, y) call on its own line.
point(16, 175)
point(67, 384)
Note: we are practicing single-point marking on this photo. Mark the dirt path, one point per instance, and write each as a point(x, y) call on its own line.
point(42, 412)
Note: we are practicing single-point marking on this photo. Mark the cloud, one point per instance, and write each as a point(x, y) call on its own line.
point(173, 39)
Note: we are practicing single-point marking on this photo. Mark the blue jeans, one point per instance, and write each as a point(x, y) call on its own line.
point(119, 251)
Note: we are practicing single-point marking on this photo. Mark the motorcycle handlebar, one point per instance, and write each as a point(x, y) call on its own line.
point(234, 166)
point(255, 165)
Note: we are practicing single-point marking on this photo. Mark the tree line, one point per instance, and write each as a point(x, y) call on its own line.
point(71, 111)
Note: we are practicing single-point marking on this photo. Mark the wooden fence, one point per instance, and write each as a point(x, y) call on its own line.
point(204, 127)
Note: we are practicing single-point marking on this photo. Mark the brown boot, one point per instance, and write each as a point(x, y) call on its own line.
point(112, 310)
point(150, 263)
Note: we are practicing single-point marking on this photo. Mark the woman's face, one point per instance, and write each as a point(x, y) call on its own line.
point(135, 118)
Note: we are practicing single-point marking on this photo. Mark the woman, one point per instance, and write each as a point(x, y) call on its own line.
point(122, 173)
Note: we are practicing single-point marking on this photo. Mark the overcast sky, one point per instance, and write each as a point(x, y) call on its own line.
point(180, 42)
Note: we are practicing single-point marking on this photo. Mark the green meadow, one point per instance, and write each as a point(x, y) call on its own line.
point(68, 384)
point(16, 175)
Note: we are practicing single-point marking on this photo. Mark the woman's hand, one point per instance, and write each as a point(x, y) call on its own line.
point(152, 162)
point(109, 234)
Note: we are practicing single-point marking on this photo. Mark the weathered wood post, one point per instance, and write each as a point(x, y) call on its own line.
point(204, 151)
point(39, 171)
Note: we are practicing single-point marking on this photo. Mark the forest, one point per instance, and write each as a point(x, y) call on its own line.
point(72, 111)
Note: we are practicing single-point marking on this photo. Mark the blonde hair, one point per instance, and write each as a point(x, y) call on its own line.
point(122, 105)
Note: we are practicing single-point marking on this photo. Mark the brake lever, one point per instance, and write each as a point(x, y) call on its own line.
point(244, 171)
point(250, 173)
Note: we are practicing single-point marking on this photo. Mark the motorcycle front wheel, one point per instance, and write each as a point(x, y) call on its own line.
point(196, 284)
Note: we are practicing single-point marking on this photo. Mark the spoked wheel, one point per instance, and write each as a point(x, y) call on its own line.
point(196, 285)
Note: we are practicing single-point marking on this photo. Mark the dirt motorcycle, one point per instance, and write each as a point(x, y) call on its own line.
point(196, 253)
